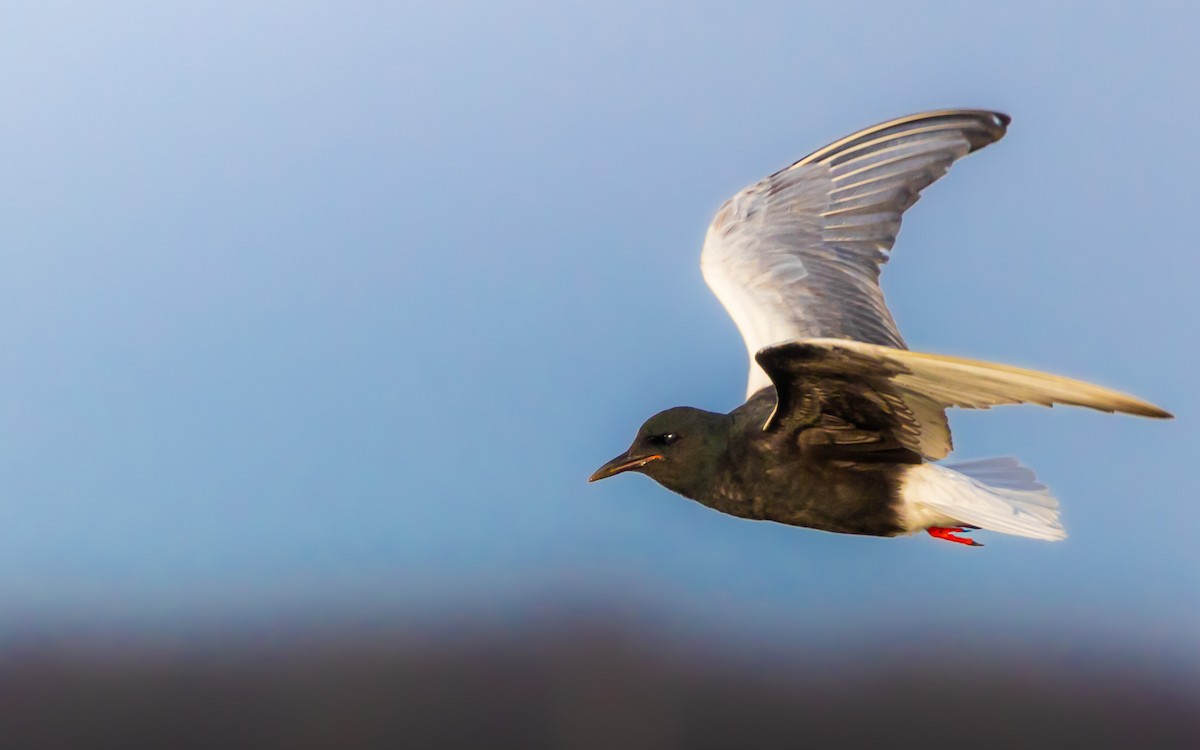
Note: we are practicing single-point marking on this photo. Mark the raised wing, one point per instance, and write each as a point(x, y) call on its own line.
point(818, 378)
point(798, 254)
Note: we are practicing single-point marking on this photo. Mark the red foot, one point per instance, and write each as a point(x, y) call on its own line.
point(941, 532)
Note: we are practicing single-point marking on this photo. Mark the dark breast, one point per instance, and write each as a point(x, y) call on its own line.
point(774, 477)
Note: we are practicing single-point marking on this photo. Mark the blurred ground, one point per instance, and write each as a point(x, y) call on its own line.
point(584, 682)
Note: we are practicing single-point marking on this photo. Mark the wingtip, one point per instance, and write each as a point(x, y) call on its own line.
point(999, 122)
point(1139, 408)
point(988, 126)
point(1155, 412)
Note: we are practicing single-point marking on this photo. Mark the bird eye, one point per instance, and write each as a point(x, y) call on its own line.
point(664, 439)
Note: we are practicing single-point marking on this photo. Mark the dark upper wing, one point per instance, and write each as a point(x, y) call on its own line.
point(903, 395)
point(797, 255)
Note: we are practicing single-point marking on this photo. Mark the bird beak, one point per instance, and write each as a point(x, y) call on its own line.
point(623, 462)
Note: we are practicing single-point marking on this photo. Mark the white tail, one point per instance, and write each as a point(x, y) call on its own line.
point(997, 494)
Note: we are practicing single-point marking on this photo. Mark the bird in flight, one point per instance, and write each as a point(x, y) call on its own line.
point(843, 425)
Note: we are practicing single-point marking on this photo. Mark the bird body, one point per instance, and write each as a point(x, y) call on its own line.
point(784, 477)
point(843, 424)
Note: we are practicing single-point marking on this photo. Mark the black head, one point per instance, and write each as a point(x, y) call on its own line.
point(678, 448)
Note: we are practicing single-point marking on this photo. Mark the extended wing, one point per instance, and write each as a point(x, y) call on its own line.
point(797, 255)
point(817, 377)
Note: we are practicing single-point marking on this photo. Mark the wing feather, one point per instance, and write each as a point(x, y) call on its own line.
point(798, 254)
point(917, 388)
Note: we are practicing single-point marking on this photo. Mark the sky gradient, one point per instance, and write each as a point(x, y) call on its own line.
point(314, 308)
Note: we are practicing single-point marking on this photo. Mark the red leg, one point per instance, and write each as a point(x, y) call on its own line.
point(947, 533)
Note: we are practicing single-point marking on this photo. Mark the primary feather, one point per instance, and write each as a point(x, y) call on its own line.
point(916, 388)
point(797, 255)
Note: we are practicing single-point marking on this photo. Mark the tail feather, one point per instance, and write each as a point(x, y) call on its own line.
point(997, 494)
point(1005, 472)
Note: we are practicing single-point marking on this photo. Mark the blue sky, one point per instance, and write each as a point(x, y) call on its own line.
point(334, 307)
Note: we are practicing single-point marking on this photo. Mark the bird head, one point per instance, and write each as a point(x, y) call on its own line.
point(678, 448)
